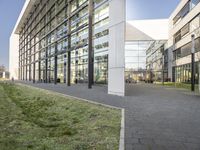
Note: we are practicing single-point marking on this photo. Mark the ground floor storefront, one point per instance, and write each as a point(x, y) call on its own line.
point(62, 68)
point(182, 73)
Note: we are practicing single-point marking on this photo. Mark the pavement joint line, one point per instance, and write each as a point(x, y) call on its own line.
point(122, 130)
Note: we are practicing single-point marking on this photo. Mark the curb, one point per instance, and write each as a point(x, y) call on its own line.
point(122, 131)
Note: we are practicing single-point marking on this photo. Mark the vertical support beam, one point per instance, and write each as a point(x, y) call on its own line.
point(24, 61)
point(34, 69)
point(34, 64)
point(192, 73)
point(30, 61)
point(55, 65)
point(163, 70)
point(192, 63)
point(163, 65)
point(39, 69)
point(19, 62)
point(170, 70)
point(69, 47)
point(26, 57)
point(55, 57)
point(90, 45)
point(116, 70)
point(46, 67)
point(69, 69)
point(65, 70)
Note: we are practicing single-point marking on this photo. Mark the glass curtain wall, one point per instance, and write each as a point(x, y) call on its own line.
point(135, 60)
point(56, 27)
point(144, 60)
point(182, 74)
point(156, 61)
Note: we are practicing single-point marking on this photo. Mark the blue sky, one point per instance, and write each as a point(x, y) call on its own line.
point(150, 9)
point(9, 12)
point(136, 9)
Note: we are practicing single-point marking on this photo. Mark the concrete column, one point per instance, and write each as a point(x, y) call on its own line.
point(170, 63)
point(65, 70)
point(69, 49)
point(55, 65)
point(116, 64)
point(90, 46)
point(39, 70)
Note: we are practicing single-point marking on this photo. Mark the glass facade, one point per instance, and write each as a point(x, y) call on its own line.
point(135, 60)
point(143, 60)
point(191, 26)
point(157, 62)
point(185, 10)
point(56, 36)
point(186, 50)
point(182, 74)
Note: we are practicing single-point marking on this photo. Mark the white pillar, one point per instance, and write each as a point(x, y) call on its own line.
point(116, 64)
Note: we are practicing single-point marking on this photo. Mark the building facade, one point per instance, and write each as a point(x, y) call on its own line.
point(145, 50)
point(183, 23)
point(69, 41)
point(90, 41)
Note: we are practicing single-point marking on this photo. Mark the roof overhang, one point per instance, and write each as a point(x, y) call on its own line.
point(25, 13)
point(155, 29)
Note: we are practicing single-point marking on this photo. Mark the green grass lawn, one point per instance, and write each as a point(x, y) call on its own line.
point(31, 118)
point(178, 85)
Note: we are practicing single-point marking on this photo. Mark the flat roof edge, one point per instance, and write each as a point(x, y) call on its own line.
point(23, 15)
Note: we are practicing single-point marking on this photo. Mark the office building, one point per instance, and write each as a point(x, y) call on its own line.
point(183, 23)
point(70, 41)
point(145, 49)
point(90, 41)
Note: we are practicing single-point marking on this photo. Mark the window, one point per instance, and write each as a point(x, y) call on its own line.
point(73, 5)
point(181, 33)
point(98, 2)
point(194, 3)
point(60, 4)
point(182, 13)
point(186, 49)
point(61, 16)
point(185, 30)
point(101, 13)
point(197, 45)
point(177, 36)
point(80, 2)
point(195, 23)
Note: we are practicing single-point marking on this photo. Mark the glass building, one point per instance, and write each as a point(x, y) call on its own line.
point(144, 60)
point(135, 59)
point(145, 50)
point(157, 61)
point(90, 41)
point(53, 42)
point(70, 41)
